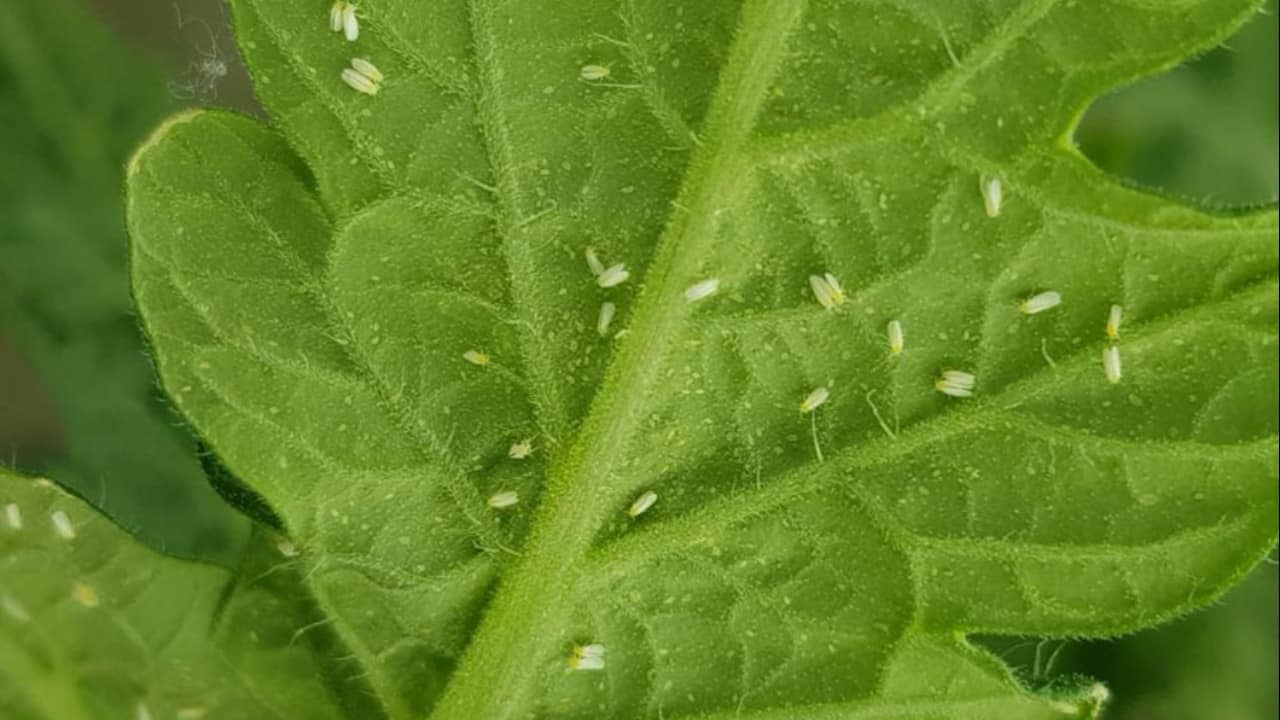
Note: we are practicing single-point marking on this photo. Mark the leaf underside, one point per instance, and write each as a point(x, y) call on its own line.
point(313, 291)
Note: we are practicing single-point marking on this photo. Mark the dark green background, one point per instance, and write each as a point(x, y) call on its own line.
point(81, 85)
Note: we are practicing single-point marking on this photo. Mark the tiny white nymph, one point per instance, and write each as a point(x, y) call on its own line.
point(85, 595)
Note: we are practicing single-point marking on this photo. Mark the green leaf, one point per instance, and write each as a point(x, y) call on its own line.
point(1223, 661)
point(313, 314)
point(70, 119)
point(95, 625)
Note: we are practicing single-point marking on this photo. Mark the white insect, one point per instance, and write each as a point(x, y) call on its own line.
point(701, 290)
point(827, 290)
point(206, 70)
point(62, 525)
point(363, 76)
point(956, 383)
point(13, 516)
point(896, 338)
point(815, 400)
point(13, 608)
point(1040, 302)
point(607, 311)
point(343, 19)
point(592, 73)
point(587, 657)
point(85, 595)
point(142, 712)
point(1113, 322)
point(503, 500)
point(593, 262)
point(642, 503)
point(613, 276)
point(992, 195)
point(475, 357)
point(286, 548)
point(520, 450)
point(1111, 364)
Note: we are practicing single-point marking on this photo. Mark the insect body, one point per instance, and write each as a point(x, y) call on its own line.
point(504, 499)
point(992, 196)
point(815, 399)
point(827, 290)
point(642, 503)
point(896, 339)
point(1040, 302)
point(343, 19)
point(363, 76)
point(613, 275)
point(1111, 364)
point(703, 289)
point(13, 516)
point(1113, 322)
point(587, 657)
point(607, 311)
point(956, 383)
point(520, 450)
point(62, 525)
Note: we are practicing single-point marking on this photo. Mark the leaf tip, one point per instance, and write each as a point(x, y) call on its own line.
point(158, 135)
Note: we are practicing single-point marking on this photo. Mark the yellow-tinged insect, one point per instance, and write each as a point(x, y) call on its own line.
point(956, 383)
point(826, 288)
point(363, 76)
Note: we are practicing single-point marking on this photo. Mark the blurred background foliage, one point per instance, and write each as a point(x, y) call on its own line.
point(82, 82)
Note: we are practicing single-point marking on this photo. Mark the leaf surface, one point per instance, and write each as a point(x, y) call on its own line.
point(94, 625)
point(318, 295)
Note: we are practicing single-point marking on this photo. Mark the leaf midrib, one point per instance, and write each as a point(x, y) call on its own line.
point(527, 611)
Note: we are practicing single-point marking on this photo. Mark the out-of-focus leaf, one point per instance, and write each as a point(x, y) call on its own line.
point(1216, 665)
point(72, 103)
point(1206, 129)
point(96, 626)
